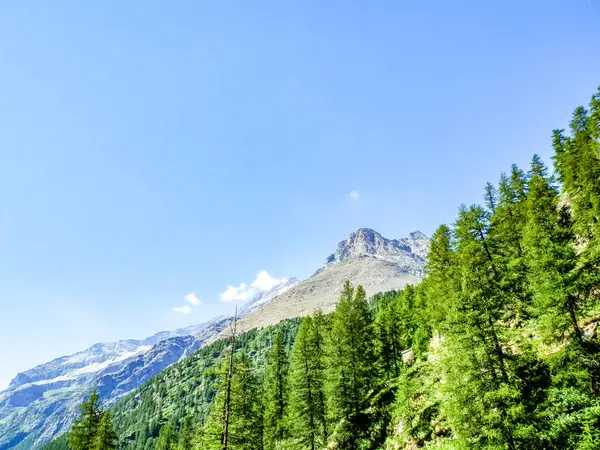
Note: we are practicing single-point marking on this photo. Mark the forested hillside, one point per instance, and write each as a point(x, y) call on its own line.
point(496, 348)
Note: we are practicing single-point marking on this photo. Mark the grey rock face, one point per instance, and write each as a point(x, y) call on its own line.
point(408, 253)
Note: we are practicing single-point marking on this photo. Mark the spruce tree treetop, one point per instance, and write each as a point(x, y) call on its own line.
point(84, 430)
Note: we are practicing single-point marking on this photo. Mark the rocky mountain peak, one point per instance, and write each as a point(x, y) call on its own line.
point(409, 252)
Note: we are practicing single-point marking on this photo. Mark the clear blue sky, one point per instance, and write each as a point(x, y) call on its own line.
point(149, 149)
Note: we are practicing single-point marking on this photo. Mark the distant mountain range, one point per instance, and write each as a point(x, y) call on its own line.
point(42, 402)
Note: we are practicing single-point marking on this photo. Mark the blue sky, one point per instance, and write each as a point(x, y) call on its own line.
point(153, 149)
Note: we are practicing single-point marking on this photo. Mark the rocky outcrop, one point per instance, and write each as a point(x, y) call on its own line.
point(408, 253)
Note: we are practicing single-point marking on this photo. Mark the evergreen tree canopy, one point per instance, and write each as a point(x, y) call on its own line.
point(85, 428)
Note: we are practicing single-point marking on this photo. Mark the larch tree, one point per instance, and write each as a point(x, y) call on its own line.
point(275, 394)
point(166, 438)
point(351, 365)
point(85, 427)
point(307, 415)
point(106, 438)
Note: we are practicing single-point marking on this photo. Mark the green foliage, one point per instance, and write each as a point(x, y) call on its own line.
point(307, 412)
point(186, 435)
point(60, 443)
point(166, 438)
point(92, 430)
point(275, 395)
point(235, 419)
point(496, 349)
point(85, 428)
point(106, 438)
point(351, 365)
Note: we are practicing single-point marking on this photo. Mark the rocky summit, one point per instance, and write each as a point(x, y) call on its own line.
point(408, 253)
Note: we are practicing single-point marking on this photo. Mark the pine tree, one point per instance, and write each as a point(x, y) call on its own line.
point(507, 225)
point(320, 327)
point(440, 285)
point(106, 438)
point(210, 435)
point(551, 256)
point(387, 345)
point(186, 435)
point(351, 365)
point(245, 415)
point(577, 161)
point(307, 407)
point(85, 428)
point(275, 394)
point(394, 326)
point(166, 438)
point(247, 408)
point(228, 383)
point(487, 399)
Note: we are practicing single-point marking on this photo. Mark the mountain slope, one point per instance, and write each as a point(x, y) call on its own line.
point(42, 403)
point(365, 257)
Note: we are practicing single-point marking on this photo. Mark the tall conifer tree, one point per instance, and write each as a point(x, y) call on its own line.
point(351, 365)
point(84, 430)
point(105, 438)
point(307, 414)
point(275, 393)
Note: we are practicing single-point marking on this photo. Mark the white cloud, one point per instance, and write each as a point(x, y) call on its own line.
point(353, 195)
point(189, 300)
point(185, 309)
point(265, 282)
point(192, 299)
point(241, 292)
point(262, 282)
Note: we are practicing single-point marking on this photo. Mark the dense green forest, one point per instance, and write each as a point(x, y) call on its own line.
point(496, 349)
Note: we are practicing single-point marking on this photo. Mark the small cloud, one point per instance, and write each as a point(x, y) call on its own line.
point(192, 299)
point(353, 195)
point(189, 300)
point(232, 293)
point(263, 282)
point(185, 309)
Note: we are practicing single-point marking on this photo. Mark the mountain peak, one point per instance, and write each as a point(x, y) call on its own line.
point(418, 235)
point(408, 252)
point(367, 234)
